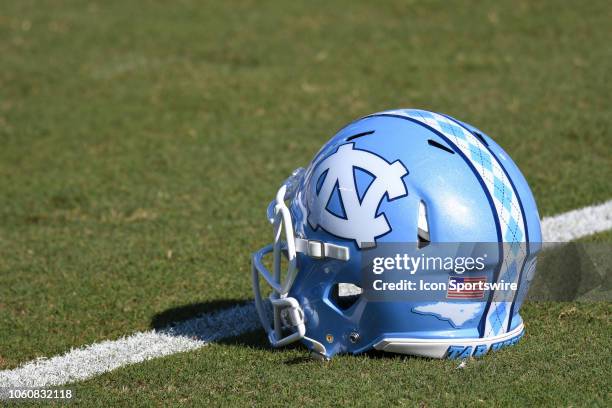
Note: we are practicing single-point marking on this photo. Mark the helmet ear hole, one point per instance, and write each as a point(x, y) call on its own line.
point(344, 295)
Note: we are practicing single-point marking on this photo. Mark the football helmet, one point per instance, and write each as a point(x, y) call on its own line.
point(408, 177)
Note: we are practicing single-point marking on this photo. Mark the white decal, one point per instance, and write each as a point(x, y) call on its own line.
point(361, 222)
point(456, 313)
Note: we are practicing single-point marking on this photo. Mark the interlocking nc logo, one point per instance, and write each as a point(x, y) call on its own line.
point(361, 223)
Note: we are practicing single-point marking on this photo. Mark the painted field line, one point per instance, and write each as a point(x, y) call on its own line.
point(577, 223)
point(82, 363)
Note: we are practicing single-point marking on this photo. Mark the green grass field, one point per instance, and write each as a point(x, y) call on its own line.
point(141, 143)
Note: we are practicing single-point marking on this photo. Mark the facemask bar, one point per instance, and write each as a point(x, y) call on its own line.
point(288, 315)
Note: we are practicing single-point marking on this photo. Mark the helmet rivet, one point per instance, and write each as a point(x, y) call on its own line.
point(329, 338)
point(354, 337)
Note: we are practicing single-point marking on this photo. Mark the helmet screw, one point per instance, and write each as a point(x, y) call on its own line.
point(354, 337)
point(329, 338)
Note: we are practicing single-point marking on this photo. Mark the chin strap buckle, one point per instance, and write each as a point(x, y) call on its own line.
point(287, 315)
point(291, 316)
point(321, 250)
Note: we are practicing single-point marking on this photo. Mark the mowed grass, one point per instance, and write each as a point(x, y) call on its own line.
point(558, 363)
point(141, 142)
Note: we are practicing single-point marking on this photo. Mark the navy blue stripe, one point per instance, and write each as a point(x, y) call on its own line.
point(465, 158)
point(518, 198)
point(482, 323)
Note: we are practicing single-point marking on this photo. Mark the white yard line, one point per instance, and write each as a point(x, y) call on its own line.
point(577, 223)
point(82, 363)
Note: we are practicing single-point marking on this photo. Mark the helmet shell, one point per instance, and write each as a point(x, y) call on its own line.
point(456, 171)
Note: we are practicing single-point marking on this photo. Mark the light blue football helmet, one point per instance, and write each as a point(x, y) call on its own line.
point(404, 176)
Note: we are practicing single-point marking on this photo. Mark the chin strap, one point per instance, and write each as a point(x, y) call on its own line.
point(288, 315)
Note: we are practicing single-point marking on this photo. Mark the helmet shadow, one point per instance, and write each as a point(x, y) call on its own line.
point(178, 314)
point(183, 321)
point(197, 321)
